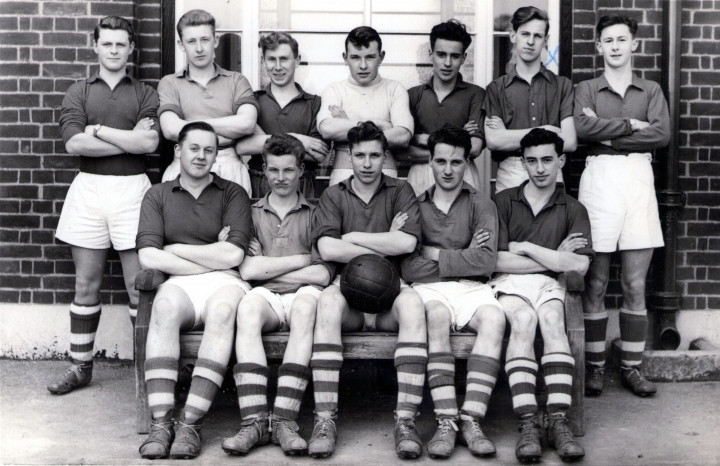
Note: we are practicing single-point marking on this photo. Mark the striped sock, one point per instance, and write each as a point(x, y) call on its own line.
point(132, 310)
point(207, 377)
point(325, 363)
point(558, 372)
point(595, 330)
point(411, 361)
point(84, 320)
point(441, 379)
point(633, 333)
point(251, 381)
point(292, 381)
point(161, 375)
point(522, 373)
point(481, 378)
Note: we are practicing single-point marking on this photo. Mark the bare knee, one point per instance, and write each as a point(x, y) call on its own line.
point(524, 322)
point(221, 315)
point(303, 316)
point(553, 321)
point(329, 308)
point(165, 315)
point(248, 319)
point(87, 289)
point(438, 319)
point(490, 322)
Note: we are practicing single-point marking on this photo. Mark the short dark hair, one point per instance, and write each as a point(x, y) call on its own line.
point(528, 13)
point(284, 144)
point(366, 131)
point(452, 136)
point(196, 126)
point(612, 19)
point(273, 40)
point(115, 22)
point(452, 30)
point(362, 36)
point(541, 137)
point(195, 18)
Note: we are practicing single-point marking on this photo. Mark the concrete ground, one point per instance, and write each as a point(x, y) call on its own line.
point(96, 425)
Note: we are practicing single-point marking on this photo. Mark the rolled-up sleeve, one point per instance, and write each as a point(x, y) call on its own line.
point(477, 114)
point(243, 93)
point(502, 203)
point(406, 202)
point(149, 107)
point(327, 217)
point(580, 223)
point(151, 227)
point(73, 118)
point(237, 214)
point(169, 96)
point(329, 97)
point(400, 115)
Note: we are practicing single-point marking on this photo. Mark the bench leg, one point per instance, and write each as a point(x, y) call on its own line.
point(142, 324)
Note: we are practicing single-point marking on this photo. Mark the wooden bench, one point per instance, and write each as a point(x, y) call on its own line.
point(366, 345)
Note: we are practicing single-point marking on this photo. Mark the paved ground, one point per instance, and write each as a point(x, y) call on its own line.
point(680, 425)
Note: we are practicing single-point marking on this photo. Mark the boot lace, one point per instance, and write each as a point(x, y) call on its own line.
point(529, 429)
point(405, 427)
point(445, 425)
point(322, 427)
point(185, 430)
point(559, 425)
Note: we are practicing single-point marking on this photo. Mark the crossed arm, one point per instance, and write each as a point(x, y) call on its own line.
point(297, 269)
point(315, 149)
point(502, 139)
point(526, 257)
point(111, 141)
point(190, 259)
point(227, 128)
point(417, 151)
point(337, 127)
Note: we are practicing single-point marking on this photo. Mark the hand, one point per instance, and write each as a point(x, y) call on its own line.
point(494, 122)
point(254, 248)
point(398, 222)
point(573, 242)
point(606, 143)
point(384, 125)
point(589, 112)
point(480, 237)
point(224, 233)
point(516, 248)
point(223, 141)
point(144, 125)
point(337, 112)
point(638, 125)
point(315, 148)
point(89, 129)
point(552, 128)
point(430, 253)
point(471, 126)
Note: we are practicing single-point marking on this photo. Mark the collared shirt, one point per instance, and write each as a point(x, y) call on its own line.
point(92, 102)
point(287, 237)
point(342, 211)
point(297, 116)
point(222, 96)
point(170, 214)
point(643, 100)
point(547, 100)
point(560, 217)
point(452, 233)
point(464, 103)
point(383, 99)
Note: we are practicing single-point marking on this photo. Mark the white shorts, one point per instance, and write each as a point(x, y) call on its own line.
point(511, 173)
point(462, 298)
point(102, 210)
point(282, 303)
point(535, 289)
point(421, 176)
point(339, 174)
point(619, 195)
point(370, 319)
point(201, 287)
point(228, 165)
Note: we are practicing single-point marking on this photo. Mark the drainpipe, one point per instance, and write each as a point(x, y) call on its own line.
point(664, 300)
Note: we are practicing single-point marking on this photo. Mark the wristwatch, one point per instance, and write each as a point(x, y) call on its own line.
point(95, 131)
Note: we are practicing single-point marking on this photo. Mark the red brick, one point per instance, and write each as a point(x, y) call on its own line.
point(51, 132)
point(58, 282)
point(63, 70)
point(86, 55)
point(20, 131)
point(18, 8)
point(65, 176)
point(19, 191)
point(709, 47)
point(19, 69)
point(8, 251)
point(114, 8)
point(8, 23)
point(8, 116)
point(705, 108)
point(19, 282)
point(8, 54)
point(52, 100)
point(55, 192)
point(42, 116)
point(42, 237)
point(696, 288)
point(77, 39)
point(63, 54)
point(60, 161)
point(65, 8)
point(65, 24)
point(706, 17)
point(42, 54)
point(19, 38)
point(42, 207)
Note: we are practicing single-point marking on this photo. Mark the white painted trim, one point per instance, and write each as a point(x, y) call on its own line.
point(250, 37)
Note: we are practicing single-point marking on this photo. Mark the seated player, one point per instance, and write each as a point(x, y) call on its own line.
point(458, 256)
point(542, 233)
point(180, 222)
point(364, 96)
point(622, 117)
point(288, 275)
point(368, 213)
point(205, 92)
point(445, 99)
point(284, 108)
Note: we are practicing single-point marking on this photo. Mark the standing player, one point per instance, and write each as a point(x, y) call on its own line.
point(368, 213)
point(284, 108)
point(622, 117)
point(449, 274)
point(543, 232)
point(364, 96)
point(445, 99)
point(180, 225)
point(110, 121)
point(529, 96)
point(288, 275)
point(205, 92)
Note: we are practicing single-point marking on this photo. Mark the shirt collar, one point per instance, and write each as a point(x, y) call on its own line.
point(459, 84)
point(428, 195)
point(96, 77)
point(384, 181)
point(557, 198)
point(220, 183)
point(512, 74)
point(375, 81)
point(636, 82)
point(303, 95)
point(219, 71)
point(264, 203)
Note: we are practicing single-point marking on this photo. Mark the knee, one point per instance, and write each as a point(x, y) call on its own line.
point(633, 285)
point(491, 322)
point(164, 314)
point(553, 321)
point(221, 315)
point(438, 319)
point(596, 285)
point(303, 317)
point(329, 308)
point(87, 289)
point(411, 312)
point(524, 322)
point(248, 320)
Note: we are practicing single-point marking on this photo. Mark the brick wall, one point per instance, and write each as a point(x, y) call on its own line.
point(46, 47)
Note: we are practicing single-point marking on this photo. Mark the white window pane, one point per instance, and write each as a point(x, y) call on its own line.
point(327, 5)
point(227, 13)
point(321, 48)
point(405, 22)
point(403, 5)
point(325, 21)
